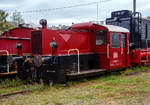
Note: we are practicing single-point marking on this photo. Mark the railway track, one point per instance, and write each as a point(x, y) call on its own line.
point(15, 93)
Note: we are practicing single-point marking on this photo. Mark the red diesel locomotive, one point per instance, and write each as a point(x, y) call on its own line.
point(14, 45)
point(84, 49)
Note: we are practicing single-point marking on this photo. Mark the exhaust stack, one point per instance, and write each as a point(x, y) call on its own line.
point(134, 7)
point(43, 22)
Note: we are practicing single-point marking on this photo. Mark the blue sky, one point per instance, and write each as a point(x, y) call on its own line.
point(69, 15)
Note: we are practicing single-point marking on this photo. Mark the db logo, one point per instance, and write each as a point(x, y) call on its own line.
point(115, 55)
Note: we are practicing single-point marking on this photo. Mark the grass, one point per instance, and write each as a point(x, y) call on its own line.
point(11, 83)
point(130, 88)
point(15, 85)
point(135, 70)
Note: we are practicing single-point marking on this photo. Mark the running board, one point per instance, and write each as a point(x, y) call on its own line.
point(85, 73)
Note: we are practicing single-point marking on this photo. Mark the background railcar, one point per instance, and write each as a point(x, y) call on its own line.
point(139, 27)
point(14, 44)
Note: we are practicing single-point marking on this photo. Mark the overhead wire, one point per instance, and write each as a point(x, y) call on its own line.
point(43, 11)
point(65, 7)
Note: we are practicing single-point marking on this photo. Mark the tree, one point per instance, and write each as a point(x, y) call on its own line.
point(148, 17)
point(4, 25)
point(17, 18)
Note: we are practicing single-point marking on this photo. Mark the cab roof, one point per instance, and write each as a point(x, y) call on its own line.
point(113, 28)
point(89, 26)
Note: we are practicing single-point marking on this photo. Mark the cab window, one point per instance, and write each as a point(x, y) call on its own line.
point(123, 39)
point(115, 40)
point(101, 37)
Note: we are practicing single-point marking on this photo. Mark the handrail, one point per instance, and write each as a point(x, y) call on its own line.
point(128, 46)
point(121, 48)
point(108, 51)
point(146, 50)
point(7, 56)
point(78, 57)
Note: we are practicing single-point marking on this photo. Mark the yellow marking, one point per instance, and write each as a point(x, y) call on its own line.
point(26, 53)
point(6, 54)
point(16, 54)
point(15, 72)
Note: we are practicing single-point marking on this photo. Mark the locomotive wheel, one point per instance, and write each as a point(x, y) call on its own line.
point(24, 69)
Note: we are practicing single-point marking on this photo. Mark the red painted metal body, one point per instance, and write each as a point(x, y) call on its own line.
point(20, 32)
point(10, 38)
point(66, 40)
point(140, 57)
point(9, 44)
point(82, 37)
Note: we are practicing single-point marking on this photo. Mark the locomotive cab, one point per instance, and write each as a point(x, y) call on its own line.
point(113, 46)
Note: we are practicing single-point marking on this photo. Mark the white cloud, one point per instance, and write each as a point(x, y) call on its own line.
point(77, 14)
point(6, 5)
point(29, 4)
point(145, 7)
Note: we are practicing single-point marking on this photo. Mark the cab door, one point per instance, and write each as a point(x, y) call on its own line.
point(101, 43)
point(115, 51)
point(124, 49)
